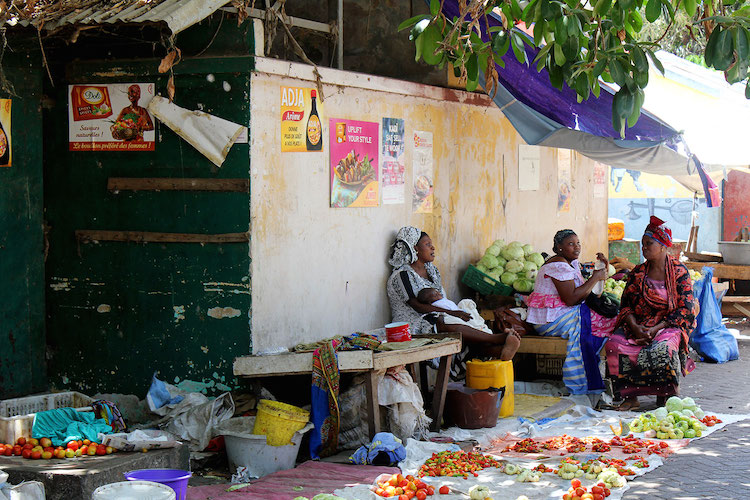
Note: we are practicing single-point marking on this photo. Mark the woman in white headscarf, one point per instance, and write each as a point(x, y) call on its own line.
point(412, 254)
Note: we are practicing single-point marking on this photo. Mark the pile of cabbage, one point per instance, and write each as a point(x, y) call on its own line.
point(615, 287)
point(677, 419)
point(514, 264)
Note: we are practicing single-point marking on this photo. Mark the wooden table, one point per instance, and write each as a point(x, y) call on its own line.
point(731, 305)
point(363, 361)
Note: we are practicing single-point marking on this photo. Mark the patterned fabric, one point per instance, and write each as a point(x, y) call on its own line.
point(110, 413)
point(659, 232)
point(586, 332)
point(402, 250)
point(404, 284)
point(545, 304)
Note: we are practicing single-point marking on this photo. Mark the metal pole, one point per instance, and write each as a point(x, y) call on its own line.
point(340, 37)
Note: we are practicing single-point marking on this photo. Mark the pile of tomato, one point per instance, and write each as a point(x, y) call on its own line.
point(36, 449)
point(578, 491)
point(711, 420)
point(406, 488)
point(526, 445)
point(456, 464)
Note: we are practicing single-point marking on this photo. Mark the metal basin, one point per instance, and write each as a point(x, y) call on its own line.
point(735, 252)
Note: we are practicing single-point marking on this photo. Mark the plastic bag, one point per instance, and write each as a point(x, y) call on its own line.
point(711, 338)
point(27, 490)
point(406, 416)
point(353, 430)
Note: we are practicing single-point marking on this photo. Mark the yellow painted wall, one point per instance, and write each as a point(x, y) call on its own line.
point(318, 271)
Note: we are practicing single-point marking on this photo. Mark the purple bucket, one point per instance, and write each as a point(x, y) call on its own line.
point(177, 479)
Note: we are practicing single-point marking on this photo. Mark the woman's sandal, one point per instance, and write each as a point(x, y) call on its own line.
point(629, 405)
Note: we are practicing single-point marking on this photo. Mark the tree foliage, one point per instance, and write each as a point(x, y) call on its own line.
point(580, 41)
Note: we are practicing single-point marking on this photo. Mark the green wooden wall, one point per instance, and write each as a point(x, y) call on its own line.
point(118, 312)
point(22, 344)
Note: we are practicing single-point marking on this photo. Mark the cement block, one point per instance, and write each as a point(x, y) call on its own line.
point(77, 478)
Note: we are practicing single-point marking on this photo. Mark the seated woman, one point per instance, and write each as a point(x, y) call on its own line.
point(648, 351)
point(411, 256)
point(557, 308)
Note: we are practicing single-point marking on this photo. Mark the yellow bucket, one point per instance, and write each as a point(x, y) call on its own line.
point(279, 421)
point(493, 373)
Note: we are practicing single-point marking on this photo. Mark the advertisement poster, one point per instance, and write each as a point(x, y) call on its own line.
point(5, 138)
point(564, 179)
point(422, 198)
point(110, 117)
point(354, 163)
point(392, 153)
point(301, 125)
point(529, 166)
point(600, 180)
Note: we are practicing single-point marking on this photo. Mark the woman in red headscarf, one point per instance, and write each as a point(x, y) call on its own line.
point(648, 350)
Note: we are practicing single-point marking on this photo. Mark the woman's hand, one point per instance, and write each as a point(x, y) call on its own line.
point(599, 275)
point(642, 335)
point(460, 315)
point(600, 256)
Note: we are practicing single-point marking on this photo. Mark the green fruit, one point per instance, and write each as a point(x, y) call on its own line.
point(690, 433)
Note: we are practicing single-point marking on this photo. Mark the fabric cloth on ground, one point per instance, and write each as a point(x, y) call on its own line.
point(385, 449)
point(653, 369)
point(307, 480)
point(467, 306)
point(66, 424)
point(586, 334)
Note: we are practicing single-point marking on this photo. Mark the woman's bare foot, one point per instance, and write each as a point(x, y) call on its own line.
point(512, 343)
point(630, 403)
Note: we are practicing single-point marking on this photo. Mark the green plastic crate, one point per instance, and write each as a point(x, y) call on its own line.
point(486, 285)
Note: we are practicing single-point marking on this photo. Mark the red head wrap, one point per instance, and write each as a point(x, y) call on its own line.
point(658, 231)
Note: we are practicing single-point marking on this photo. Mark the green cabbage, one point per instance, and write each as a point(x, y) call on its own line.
point(512, 252)
point(530, 266)
point(501, 262)
point(527, 250)
point(481, 267)
point(688, 403)
point(489, 260)
point(514, 266)
point(515, 244)
point(660, 413)
point(494, 250)
point(499, 243)
point(523, 285)
point(508, 278)
point(531, 275)
point(536, 258)
point(674, 404)
point(495, 273)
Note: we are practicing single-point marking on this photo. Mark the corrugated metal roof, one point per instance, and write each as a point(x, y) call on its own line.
point(177, 14)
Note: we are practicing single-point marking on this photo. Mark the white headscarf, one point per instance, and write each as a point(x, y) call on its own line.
point(402, 250)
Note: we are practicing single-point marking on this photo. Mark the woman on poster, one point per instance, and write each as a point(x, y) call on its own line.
point(133, 120)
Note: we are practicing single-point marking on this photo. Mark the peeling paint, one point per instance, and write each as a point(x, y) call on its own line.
point(223, 312)
point(205, 350)
point(104, 308)
point(62, 286)
point(224, 287)
point(179, 313)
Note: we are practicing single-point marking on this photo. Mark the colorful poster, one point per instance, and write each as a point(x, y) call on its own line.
point(422, 198)
point(301, 125)
point(110, 117)
point(564, 179)
point(393, 168)
point(600, 180)
point(5, 137)
point(354, 163)
point(529, 166)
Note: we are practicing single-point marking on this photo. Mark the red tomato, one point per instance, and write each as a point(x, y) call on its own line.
point(575, 483)
point(430, 490)
point(403, 483)
point(410, 494)
point(21, 441)
point(598, 496)
point(421, 494)
point(8, 451)
point(421, 485)
point(444, 490)
point(393, 481)
point(73, 445)
point(607, 492)
point(663, 444)
point(597, 490)
point(403, 497)
point(580, 491)
point(26, 453)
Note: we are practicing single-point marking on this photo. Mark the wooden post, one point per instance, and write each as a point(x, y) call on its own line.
point(373, 407)
point(438, 395)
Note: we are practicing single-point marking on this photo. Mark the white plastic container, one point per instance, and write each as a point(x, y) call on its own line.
point(17, 415)
point(735, 252)
point(134, 490)
point(250, 450)
point(599, 287)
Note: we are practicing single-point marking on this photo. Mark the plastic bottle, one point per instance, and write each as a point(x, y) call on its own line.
point(599, 287)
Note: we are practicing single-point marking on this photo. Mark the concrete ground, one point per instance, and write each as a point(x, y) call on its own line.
point(717, 466)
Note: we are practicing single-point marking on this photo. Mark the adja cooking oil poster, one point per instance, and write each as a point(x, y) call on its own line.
point(5, 141)
point(354, 163)
point(111, 117)
point(301, 122)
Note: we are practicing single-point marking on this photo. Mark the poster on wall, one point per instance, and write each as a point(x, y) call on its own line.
point(110, 117)
point(5, 137)
point(422, 196)
point(600, 180)
point(564, 179)
point(393, 166)
point(301, 125)
point(529, 166)
point(354, 163)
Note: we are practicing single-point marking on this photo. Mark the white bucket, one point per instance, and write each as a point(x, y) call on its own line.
point(245, 449)
point(134, 490)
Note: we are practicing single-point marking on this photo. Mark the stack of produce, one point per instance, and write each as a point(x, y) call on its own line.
point(679, 418)
point(36, 449)
point(614, 287)
point(695, 276)
point(514, 264)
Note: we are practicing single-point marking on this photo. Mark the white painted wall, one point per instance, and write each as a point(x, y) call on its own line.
point(318, 271)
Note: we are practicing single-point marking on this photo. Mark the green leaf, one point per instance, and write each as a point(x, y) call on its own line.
point(636, 20)
point(724, 51)
point(555, 75)
point(515, 9)
point(667, 10)
point(641, 78)
point(742, 47)
point(412, 21)
point(472, 67)
point(539, 28)
point(690, 6)
point(574, 26)
point(528, 12)
point(571, 48)
point(471, 85)
point(626, 4)
point(559, 56)
point(599, 67)
point(638, 99)
point(639, 59)
point(418, 45)
point(602, 8)
point(582, 86)
point(596, 88)
point(498, 41)
point(743, 11)
point(656, 61)
point(431, 37)
point(517, 43)
point(709, 54)
point(747, 90)
point(418, 29)
point(615, 69)
point(618, 16)
point(561, 31)
point(434, 7)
